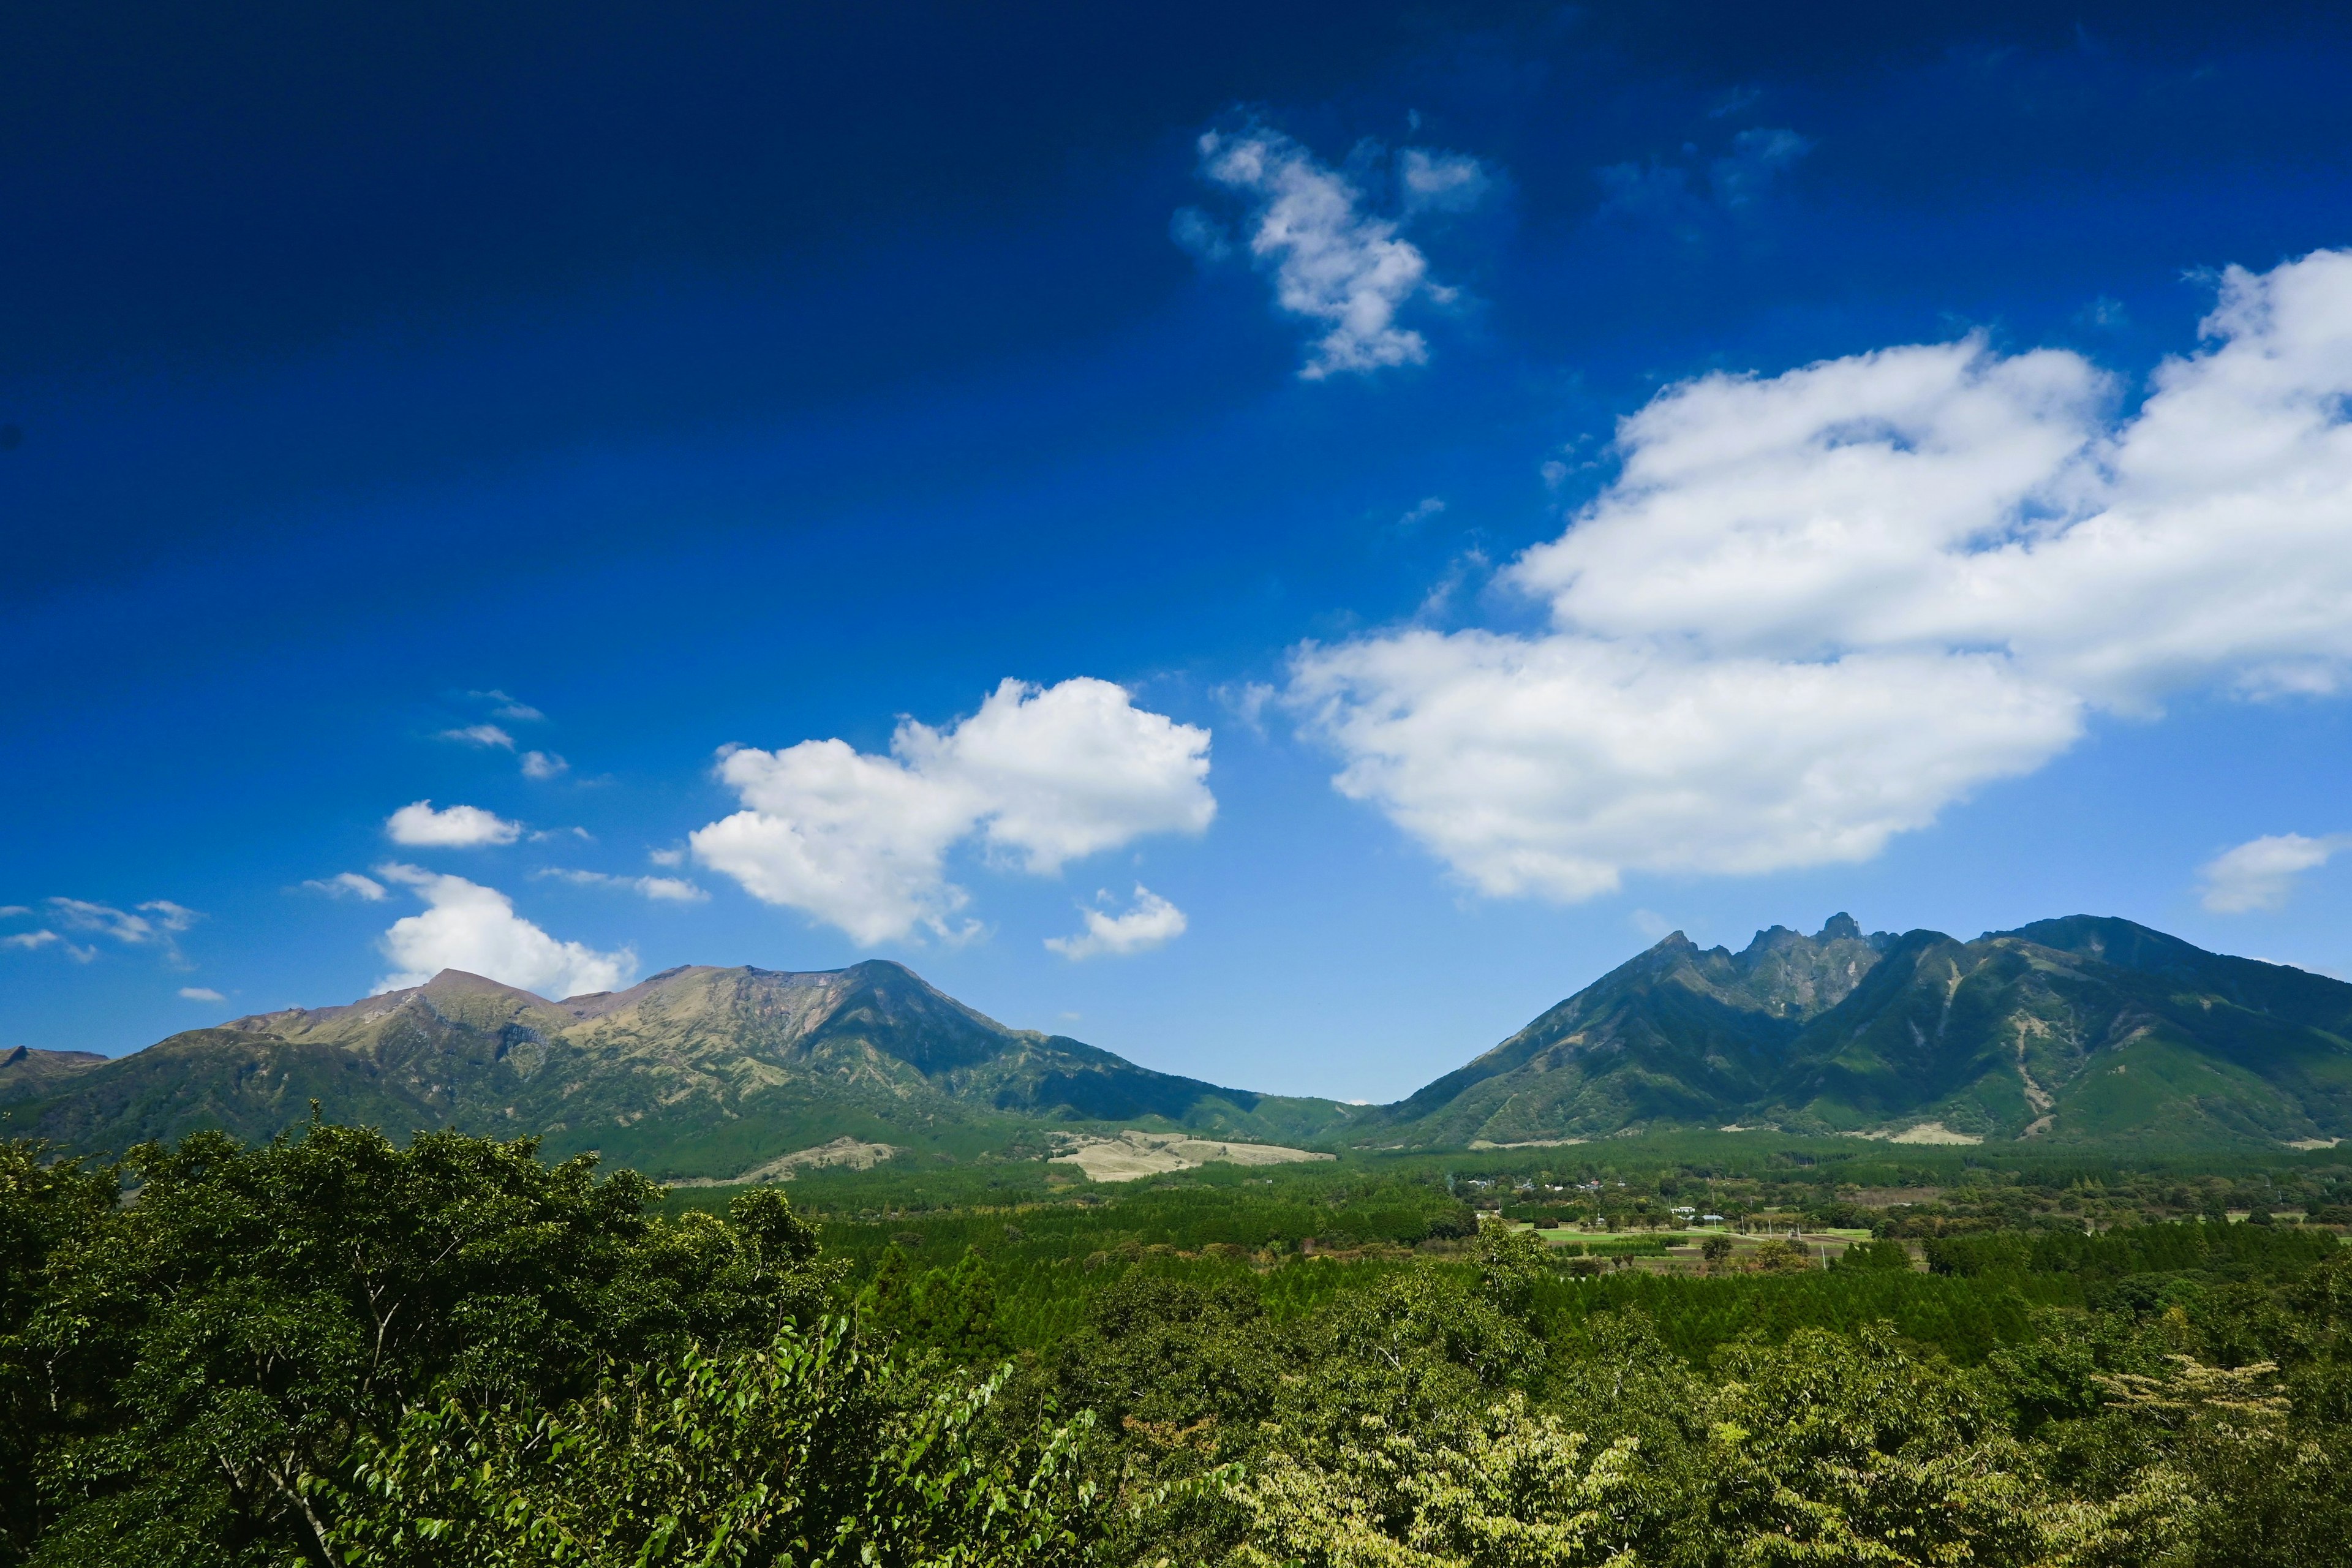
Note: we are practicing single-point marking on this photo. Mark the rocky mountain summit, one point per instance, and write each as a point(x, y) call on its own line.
point(2071, 1029)
point(2063, 1031)
point(698, 1071)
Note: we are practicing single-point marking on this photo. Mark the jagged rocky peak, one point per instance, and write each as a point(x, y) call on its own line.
point(1792, 975)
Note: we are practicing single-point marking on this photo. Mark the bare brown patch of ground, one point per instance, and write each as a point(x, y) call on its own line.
point(1134, 1155)
point(844, 1151)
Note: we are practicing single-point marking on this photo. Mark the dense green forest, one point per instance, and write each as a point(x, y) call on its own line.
point(333, 1349)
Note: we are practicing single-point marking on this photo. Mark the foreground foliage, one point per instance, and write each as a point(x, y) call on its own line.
point(335, 1350)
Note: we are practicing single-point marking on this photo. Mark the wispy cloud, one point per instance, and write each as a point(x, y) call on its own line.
point(508, 707)
point(157, 925)
point(485, 735)
point(1334, 261)
point(349, 885)
point(662, 889)
point(201, 993)
point(2260, 872)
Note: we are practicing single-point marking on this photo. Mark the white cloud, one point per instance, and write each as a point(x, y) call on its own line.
point(1814, 609)
point(201, 993)
point(662, 889)
point(170, 916)
point(457, 828)
point(1039, 777)
point(156, 924)
point(28, 940)
point(1441, 182)
point(543, 765)
point(1421, 511)
point(1333, 261)
point(78, 914)
point(1152, 921)
point(667, 857)
point(349, 885)
point(476, 929)
point(2259, 873)
point(508, 707)
point(488, 735)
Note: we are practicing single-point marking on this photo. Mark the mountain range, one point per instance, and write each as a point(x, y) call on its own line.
point(2064, 1030)
point(2073, 1030)
point(697, 1072)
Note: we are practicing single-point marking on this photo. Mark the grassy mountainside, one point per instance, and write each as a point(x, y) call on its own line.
point(28, 1074)
point(698, 1071)
point(2064, 1030)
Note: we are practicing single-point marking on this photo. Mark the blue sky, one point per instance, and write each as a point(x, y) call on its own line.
point(1417, 400)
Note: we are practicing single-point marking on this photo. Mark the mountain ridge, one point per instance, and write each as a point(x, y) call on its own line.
point(698, 1071)
point(2017, 1034)
point(2079, 1028)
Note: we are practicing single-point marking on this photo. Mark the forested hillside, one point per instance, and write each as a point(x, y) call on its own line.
point(2066, 1031)
point(337, 1351)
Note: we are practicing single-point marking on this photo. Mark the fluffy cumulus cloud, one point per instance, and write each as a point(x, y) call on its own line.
point(454, 827)
point(1334, 261)
point(1814, 609)
point(543, 765)
point(2260, 872)
point(1150, 921)
point(469, 927)
point(1036, 778)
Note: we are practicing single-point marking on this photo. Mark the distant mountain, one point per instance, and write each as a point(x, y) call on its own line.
point(696, 1072)
point(2062, 1030)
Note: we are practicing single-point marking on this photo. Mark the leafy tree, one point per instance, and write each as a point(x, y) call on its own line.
point(1505, 1488)
point(44, 1205)
point(214, 1352)
point(1827, 1449)
point(804, 1452)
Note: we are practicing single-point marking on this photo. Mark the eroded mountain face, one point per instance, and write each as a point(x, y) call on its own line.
point(694, 1069)
point(1681, 1035)
point(2075, 1029)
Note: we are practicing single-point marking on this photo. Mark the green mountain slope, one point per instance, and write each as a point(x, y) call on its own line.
point(1680, 1035)
point(698, 1071)
point(2064, 1030)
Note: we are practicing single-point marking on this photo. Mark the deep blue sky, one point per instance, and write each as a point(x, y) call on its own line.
point(708, 375)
